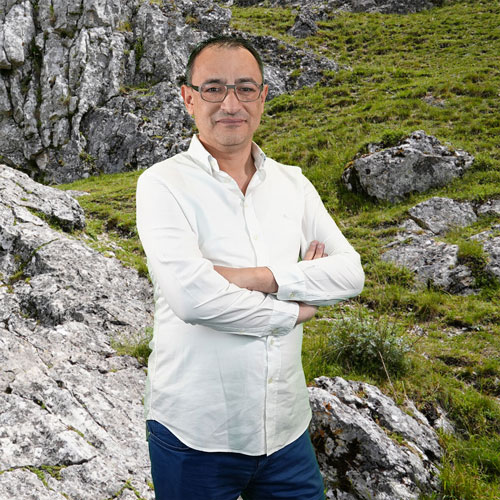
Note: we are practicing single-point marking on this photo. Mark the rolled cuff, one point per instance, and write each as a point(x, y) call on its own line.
point(291, 282)
point(284, 317)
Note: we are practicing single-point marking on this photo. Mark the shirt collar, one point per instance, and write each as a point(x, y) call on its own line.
point(206, 161)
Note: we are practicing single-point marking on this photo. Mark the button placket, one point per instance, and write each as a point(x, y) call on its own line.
point(273, 375)
point(255, 232)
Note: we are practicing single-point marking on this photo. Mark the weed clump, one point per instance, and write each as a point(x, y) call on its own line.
point(370, 346)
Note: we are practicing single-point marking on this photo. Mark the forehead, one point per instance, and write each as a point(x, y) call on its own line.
point(216, 62)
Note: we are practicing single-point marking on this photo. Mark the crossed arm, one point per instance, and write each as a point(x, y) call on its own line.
point(262, 279)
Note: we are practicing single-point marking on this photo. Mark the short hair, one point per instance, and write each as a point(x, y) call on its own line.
point(221, 41)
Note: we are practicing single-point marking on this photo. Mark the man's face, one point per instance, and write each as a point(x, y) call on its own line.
point(228, 125)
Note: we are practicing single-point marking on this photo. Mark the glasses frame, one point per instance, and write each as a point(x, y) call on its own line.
point(198, 89)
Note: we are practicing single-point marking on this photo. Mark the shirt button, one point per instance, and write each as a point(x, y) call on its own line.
point(271, 342)
point(292, 294)
point(255, 236)
point(270, 381)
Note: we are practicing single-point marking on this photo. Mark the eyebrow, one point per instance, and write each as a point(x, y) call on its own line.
point(238, 80)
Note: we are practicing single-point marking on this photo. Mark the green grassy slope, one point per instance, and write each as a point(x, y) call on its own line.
point(438, 349)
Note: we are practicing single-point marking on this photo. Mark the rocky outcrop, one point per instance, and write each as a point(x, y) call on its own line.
point(416, 164)
point(435, 262)
point(367, 447)
point(93, 86)
point(71, 424)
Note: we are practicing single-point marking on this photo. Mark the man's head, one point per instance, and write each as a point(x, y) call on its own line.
point(225, 42)
point(226, 117)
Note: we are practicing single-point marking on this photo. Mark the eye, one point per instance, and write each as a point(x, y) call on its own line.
point(213, 89)
point(246, 88)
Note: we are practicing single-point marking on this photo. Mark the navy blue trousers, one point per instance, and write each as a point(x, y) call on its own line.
point(181, 473)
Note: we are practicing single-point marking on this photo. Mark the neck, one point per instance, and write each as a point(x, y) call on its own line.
point(238, 164)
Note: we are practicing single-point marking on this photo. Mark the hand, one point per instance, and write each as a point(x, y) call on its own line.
point(316, 250)
point(306, 312)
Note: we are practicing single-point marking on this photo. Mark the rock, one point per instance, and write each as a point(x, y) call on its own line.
point(304, 25)
point(22, 194)
point(439, 215)
point(92, 87)
point(287, 68)
point(416, 164)
point(434, 262)
point(434, 101)
point(367, 447)
point(71, 424)
point(491, 207)
point(491, 246)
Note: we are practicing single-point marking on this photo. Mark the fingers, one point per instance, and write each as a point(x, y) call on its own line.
point(316, 250)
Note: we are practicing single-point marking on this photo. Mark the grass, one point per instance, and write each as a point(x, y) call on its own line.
point(452, 54)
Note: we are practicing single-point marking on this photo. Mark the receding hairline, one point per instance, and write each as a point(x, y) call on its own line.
point(222, 43)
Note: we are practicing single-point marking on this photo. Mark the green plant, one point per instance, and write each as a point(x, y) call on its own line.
point(362, 343)
point(137, 347)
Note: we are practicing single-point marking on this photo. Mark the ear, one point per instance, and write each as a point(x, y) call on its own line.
point(265, 90)
point(263, 96)
point(187, 96)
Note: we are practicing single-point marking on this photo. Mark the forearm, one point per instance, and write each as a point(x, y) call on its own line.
point(262, 279)
point(259, 279)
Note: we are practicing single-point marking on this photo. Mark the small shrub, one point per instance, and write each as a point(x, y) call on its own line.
point(137, 347)
point(368, 345)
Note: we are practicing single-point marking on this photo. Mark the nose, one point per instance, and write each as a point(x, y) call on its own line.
point(231, 103)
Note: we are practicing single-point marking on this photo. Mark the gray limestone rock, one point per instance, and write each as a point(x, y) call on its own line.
point(491, 207)
point(22, 194)
point(434, 262)
point(439, 215)
point(71, 424)
point(491, 246)
point(418, 163)
point(367, 447)
point(305, 24)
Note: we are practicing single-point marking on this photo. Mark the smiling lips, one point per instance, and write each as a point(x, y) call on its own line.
point(230, 121)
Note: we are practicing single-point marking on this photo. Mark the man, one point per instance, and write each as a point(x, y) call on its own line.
point(223, 226)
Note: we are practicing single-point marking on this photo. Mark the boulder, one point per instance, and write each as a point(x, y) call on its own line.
point(367, 447)
point(71, 424)
point(305, 24)
point(434, 262)
point(439, 215)
point(418, 163)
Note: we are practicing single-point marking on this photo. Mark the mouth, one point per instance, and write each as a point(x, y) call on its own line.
point(231, 121)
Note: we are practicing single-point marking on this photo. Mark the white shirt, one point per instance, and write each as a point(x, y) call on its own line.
point(225, 372)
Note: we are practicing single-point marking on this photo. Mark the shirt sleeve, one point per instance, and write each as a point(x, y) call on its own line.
point(324, 281)
point(196, 293)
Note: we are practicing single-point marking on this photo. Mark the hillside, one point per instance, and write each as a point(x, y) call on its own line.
point(437, 71)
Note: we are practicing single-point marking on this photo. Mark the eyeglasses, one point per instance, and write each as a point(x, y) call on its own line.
point(217, 92)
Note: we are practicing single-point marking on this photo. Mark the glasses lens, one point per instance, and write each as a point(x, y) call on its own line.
point(216, 92)
point(247, 91)
point(213, 92)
